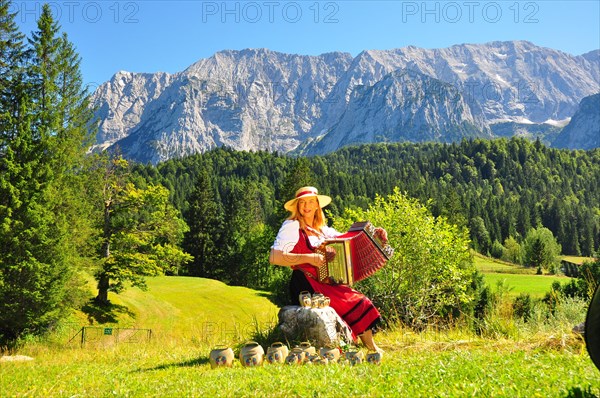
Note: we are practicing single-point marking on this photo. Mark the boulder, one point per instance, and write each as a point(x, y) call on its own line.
point(323, 327)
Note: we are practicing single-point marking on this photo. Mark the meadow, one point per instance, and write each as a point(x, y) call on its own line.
point(516, 279)
point(190, 316)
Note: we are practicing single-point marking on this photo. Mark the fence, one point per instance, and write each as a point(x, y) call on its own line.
point(111, 335)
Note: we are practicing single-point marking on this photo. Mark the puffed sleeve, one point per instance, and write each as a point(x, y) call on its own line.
point(288, 236)
point(330, 232)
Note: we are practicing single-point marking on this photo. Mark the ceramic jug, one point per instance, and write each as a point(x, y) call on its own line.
point(355, 357)
point(251, 354)
point(277, 353)
point(305, 299)
point(308, 349)
point(331, 353)
point(296, 356)
point(221, 356)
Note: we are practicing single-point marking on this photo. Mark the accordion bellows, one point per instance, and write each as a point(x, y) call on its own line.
point(359, 253)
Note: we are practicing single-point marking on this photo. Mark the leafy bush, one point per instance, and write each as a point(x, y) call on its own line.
point(429, 277)
point(542, 250)
point(522, 306)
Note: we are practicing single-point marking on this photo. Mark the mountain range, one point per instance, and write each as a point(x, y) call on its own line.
point(257, 99)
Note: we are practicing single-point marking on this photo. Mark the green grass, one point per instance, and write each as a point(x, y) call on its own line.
point(517, 279)
point(489, 265)
point(413, 367)
point(535, 285)
point(174, 363)
point(577, 259)
point(177, 308)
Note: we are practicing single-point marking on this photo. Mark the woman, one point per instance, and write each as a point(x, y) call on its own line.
point(294, 247)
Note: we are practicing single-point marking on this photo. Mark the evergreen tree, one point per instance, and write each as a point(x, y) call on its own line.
point(12, 68)
point(43, 73)
point(541, 250)
point(205, 220)
point(37, 228)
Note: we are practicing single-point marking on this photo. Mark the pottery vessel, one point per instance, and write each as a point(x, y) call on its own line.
point(374, 358)
point(331, 353)
point(308, 349)
point(355, 357)
point(317, 300)
point(296, 356)
point(252, 354)
point(221, 356)
point(277, 353)
point(305, 299)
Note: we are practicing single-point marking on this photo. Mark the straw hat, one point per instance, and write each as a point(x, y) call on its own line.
point(306, 192)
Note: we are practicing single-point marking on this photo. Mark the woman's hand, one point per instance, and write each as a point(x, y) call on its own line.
point(382, 234)
point(329, 253)
point(318, 260)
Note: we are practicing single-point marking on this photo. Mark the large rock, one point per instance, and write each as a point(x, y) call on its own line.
point(321, 326)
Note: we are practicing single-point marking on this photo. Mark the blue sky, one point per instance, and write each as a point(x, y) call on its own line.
point(157, 35)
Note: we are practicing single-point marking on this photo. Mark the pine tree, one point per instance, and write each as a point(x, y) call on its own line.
point(205, 220)
point(39, 230)
point(12, 67)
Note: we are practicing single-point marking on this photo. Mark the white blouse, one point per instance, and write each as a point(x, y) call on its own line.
point(289, 234)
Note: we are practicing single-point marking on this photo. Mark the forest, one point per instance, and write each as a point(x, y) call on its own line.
point(499, 190)
point(67, 215)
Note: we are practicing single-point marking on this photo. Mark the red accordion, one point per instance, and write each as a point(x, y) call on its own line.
point(359, 253)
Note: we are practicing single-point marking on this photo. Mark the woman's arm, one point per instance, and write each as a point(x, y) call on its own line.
point(286, 259)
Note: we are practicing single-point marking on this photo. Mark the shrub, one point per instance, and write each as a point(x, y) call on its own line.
point(522, 306)
point(430, 275)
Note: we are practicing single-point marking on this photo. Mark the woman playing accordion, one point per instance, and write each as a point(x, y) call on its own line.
point(296, 247)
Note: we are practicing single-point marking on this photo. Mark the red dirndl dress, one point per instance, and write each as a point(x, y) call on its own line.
point(353, 307)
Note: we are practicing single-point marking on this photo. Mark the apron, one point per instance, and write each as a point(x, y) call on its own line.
point(352, 306)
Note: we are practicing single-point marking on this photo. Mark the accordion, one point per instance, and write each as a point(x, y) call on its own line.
point(359, 253)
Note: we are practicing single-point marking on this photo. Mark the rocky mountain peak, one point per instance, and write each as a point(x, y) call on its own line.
point(259, 99)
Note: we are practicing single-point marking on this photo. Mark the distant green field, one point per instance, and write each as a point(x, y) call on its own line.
point(516, 278)
point(489, 265)
point(535, 285)
point(577, 259)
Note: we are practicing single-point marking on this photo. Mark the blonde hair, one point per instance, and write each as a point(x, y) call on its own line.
point(318, 223)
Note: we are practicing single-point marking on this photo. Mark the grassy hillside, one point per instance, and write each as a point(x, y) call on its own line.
point(182, 307)
point(517, 279)
point(189, 316)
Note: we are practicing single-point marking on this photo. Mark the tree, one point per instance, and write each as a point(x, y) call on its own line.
point(480, 235)
point(431, 271)
point(138, 230)
point(12, 69)
point(541, 250)
point(513, 251)
point(205, 220)
point(38, 228)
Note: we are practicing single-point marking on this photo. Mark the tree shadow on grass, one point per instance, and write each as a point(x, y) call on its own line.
point(278, 299)
point(105, 312)
point(184, 364)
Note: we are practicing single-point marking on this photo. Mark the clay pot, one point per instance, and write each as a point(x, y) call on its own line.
point(355, 357)
point(308, 349)
point(374, 358)
point(305, 299)
point(277, 353)
point(296, 356)
point(317, 300)
point(221, 356)
point(252, 354)
point(331, 353)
